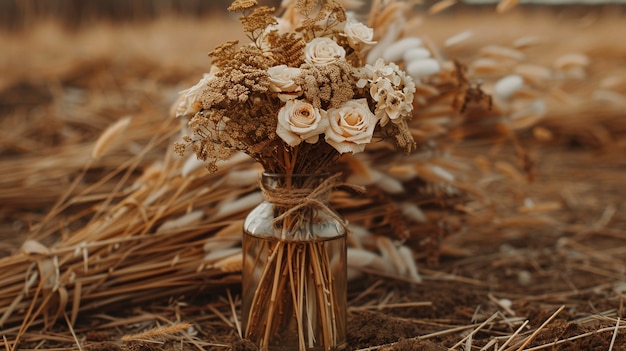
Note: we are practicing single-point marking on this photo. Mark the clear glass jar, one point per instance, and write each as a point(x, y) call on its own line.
point(294, 267)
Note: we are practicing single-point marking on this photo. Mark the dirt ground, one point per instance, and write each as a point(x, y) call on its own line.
point(547, 271)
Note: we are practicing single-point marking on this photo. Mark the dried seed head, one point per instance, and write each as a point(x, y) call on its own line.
point(441, 6)
point(506, 5)
point(110, 137)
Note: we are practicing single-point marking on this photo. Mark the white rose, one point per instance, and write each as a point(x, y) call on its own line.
point(350, 127)
point(299, 120)
point(188, 104)
point(323, 51)
point(358, 35)
point(282, 81)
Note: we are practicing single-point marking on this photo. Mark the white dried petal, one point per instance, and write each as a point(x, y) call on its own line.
point(181, 222)
point(395, 51)
point(528, 41)
point(534, 74)
point(486, 66)
point(502, 52)
point(409, 261)
point(574, 72)
point(390, 253)
point(416, 54)
point(359, 236)
point(458, 38)
point(231, 206)
point(524, 277)
point(535, 110)
point(359, 258)
point(217, 255)
point(50, 271)
point(221, 243)
point(31, 246)
point(387, 183)
point(422, 68)
point(573, 60)
point(507, 86)
point(413, 212)
point(442, 173)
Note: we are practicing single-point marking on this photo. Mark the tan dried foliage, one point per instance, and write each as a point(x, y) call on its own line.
point(100, 248)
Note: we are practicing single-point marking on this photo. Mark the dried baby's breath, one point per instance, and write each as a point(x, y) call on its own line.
point(404, 139)
point(286, 48)
point(241, 5)
point(224, 53)
point(327, 86)
point(259, 19)
point(319, 16)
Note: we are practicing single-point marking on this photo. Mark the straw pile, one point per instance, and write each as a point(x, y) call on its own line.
point(100, 213)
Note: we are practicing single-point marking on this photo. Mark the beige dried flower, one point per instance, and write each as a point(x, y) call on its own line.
point(258, 20)
point(242, 5)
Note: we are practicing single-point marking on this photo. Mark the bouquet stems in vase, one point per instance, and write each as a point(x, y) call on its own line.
point(294, 267)
point(296, 98)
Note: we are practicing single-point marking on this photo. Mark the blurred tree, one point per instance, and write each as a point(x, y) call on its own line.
point(20, 14)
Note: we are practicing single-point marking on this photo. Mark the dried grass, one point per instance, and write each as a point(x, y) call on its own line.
point(135, 226)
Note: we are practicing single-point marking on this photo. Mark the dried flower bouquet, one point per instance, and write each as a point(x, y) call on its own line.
point(296, 98)
point(299, 94)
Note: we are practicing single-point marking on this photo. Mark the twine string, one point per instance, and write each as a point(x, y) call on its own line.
point(294, 199)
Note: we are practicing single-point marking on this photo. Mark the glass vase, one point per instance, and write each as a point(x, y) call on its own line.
point(294, 267)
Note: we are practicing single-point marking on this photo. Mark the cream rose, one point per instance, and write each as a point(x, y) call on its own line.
point(188, 104)
point(323, 51)
point(358, 35)
point(350, 127)
point(282, 81)
point(299, 120)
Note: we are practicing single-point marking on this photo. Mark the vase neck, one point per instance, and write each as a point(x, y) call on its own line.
point(285, 188)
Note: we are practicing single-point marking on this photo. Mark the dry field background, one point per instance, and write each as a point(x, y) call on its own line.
point(536, 261)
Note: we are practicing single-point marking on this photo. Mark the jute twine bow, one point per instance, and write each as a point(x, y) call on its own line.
point(294, 199)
